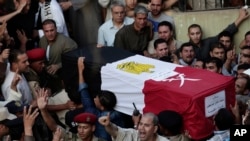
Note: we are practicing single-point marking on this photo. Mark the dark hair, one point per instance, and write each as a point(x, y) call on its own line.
point(201, 60)
point(247, 33)
point(165, 23)
point(194, 26)
point(14, 54)
point(214, 60)
point(159, 41)
point(225, 34)
point(73, 93)
point(217, 45)
point(247, 86)
point(107, 99)
point(245, 47)
point(243, 67)
point(49, 21)
point(185, 45)
point(162, 1)
point(224, 119)
point(171, 120)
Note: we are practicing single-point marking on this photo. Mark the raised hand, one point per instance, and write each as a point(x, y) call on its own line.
point(22, 36)
point(15, 81)
point(105, 120)
point(29, 119)
point(231, 55)
point(57, 136)
point(80, 64)
point(236, 112)
point(243, 15)
point(22, 4)
point(136, 117)
point(42, 99)
point(5, 53)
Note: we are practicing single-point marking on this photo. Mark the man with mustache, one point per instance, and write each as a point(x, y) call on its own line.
point(147, 129)
point(155, 16)
point(136, 36)
point(187, 54)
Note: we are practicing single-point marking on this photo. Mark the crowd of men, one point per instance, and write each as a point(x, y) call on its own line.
point(34, 104)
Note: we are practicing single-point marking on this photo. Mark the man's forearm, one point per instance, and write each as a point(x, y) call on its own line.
point(81, 78)
point(49, 120)
point(57, 107)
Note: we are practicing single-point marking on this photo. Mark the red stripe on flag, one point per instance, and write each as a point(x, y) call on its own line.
point(185, 94)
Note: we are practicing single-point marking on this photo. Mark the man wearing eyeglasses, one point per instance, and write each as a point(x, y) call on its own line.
point(107, 31)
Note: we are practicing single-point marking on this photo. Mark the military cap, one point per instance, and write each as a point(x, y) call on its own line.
point(36, 54)
point(85, 118)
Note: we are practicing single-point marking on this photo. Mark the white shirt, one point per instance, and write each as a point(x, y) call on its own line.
point(106, 4)
point(107, 31)
point(22, 88)
point(47, 52)
point(53, 11)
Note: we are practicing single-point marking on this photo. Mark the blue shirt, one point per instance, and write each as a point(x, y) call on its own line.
point(89, 106)
point(157, 20)
point(107, 31)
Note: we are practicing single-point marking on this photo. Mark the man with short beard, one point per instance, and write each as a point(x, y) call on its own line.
point(202, 46)
point(18, 65)
point(156, 16)
point(187, 54)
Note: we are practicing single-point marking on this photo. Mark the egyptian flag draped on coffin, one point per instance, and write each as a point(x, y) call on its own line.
point(154, 86)
point(196, 94)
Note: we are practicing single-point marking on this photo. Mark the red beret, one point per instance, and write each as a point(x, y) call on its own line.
point(85, 118)
point(36, 54)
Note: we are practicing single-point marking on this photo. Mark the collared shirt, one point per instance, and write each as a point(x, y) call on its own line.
point(107, 31)
point(22, 88)
point(181, 61)
point(68, 136)
point(221, 136)
point(132, 135)
point(179, 137)
point(93, 139)
point(47, 52)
